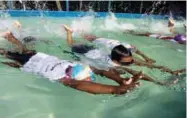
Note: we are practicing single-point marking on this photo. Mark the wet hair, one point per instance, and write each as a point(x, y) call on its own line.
point(81, 48)
point(29, 39)
point(119, 52)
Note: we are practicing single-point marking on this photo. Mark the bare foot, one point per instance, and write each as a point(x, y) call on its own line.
point(67, 28)
point(17, 24)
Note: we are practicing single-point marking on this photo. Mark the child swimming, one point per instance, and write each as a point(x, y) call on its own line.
point(72, 74)
point(178, 38)
point(118, 54)
point(76, 75)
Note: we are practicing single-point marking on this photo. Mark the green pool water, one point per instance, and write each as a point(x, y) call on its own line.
point(23, 95)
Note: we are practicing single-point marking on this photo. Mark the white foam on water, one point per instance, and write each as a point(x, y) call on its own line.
point(179, 50)
point(111, 24)
point(159, 27)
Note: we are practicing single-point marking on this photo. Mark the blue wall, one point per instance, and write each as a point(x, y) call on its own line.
point(28, 13)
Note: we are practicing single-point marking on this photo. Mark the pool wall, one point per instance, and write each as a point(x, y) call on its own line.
point(28, 13)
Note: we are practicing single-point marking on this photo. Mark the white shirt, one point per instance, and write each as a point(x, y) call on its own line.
point(47, 66)
point(110, 43)
point(102, 55)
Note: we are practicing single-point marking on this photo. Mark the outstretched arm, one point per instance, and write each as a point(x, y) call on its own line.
point(115, 76)
point(96, 88)
point(148, 78)
point(149, 60)
point(162, 68)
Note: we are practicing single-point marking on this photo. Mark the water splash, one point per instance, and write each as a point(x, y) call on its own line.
point(84, 24)
point(111, 24)
point(159, 27)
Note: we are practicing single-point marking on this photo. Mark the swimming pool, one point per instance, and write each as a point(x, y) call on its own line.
point(25, 95)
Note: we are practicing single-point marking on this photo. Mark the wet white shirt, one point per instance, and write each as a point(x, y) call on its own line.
point(103, 54)
point(47, 66)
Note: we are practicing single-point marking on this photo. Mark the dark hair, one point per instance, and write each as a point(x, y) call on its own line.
point(29, 39)
point(119, 52)
point(82, 48)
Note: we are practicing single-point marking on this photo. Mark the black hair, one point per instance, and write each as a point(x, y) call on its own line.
point(81, 48)
point(29, 39)
point(119, 52)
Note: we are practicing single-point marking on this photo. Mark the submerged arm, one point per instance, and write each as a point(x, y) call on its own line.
point(144, 56)
point(96, 88)
point(145, 77)
point(115, 76)
point(162, 68)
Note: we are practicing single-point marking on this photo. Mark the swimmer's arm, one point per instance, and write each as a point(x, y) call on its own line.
point(96, 88)
point(113, 74)
point(167, 38)
point(144, 76)
point(145, 57)
point(110, 74)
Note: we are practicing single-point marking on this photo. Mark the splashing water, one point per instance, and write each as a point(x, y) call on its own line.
point(111, 24)
point(41, 102)
point(84, 24)
point(159, 27)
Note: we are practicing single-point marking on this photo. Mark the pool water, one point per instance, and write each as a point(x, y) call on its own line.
point(23, 95)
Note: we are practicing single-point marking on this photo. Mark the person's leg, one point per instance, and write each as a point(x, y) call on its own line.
point(13, 64)
point(69, 35)
point(97, 88)
point(21, 58)
point(9, 36)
